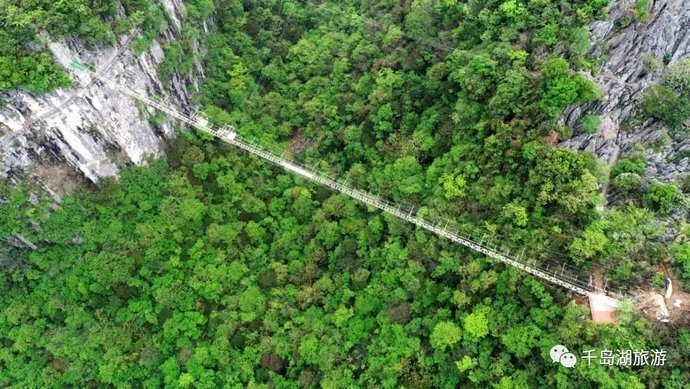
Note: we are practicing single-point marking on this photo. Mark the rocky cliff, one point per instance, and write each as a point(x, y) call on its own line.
point(96, 130)
point(634, 54)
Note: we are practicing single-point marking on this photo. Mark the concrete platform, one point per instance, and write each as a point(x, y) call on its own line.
point(603, 308)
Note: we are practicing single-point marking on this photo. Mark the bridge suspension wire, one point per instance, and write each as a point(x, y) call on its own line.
point(551, 273)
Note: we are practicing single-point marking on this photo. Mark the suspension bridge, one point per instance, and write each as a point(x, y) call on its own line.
point(555, 274)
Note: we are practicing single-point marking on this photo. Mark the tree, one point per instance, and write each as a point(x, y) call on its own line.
point(212, 268)
point(520, 340)
point(515, 214)
point(559, 89)
point(465, 364)
point(308, 349)
point(477, 324)
point(476, 76)
point(445, 334)
point(251, 303)
point(406, 174)
point(590, 244)
point(453, 187)
point(563, 178)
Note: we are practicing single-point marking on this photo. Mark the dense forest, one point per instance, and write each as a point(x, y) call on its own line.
point(210, 268)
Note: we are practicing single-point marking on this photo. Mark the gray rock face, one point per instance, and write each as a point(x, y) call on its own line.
point(100, 129)
point(624, 78)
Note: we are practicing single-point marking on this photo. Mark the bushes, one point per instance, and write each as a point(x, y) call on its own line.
point(590, 123)
point(35, 72)
point(663, 104)
point(670, 101)
point(677, 77)
point(681, 254)
point(627, 182)
point(633, 164)
point(641, 10)
point(685, 184)
point(564, 132)
point(661, 197)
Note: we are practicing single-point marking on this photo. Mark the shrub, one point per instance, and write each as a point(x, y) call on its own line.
point(564, 132)
point(641, 10)
point(661, 197)
point(590, 123)
point(650, 63)
point(681, 254)
point(627, 182)
point(664, 104)
point(677, 77)
point(634, 164)
point(547, 35)
point(685, 184)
